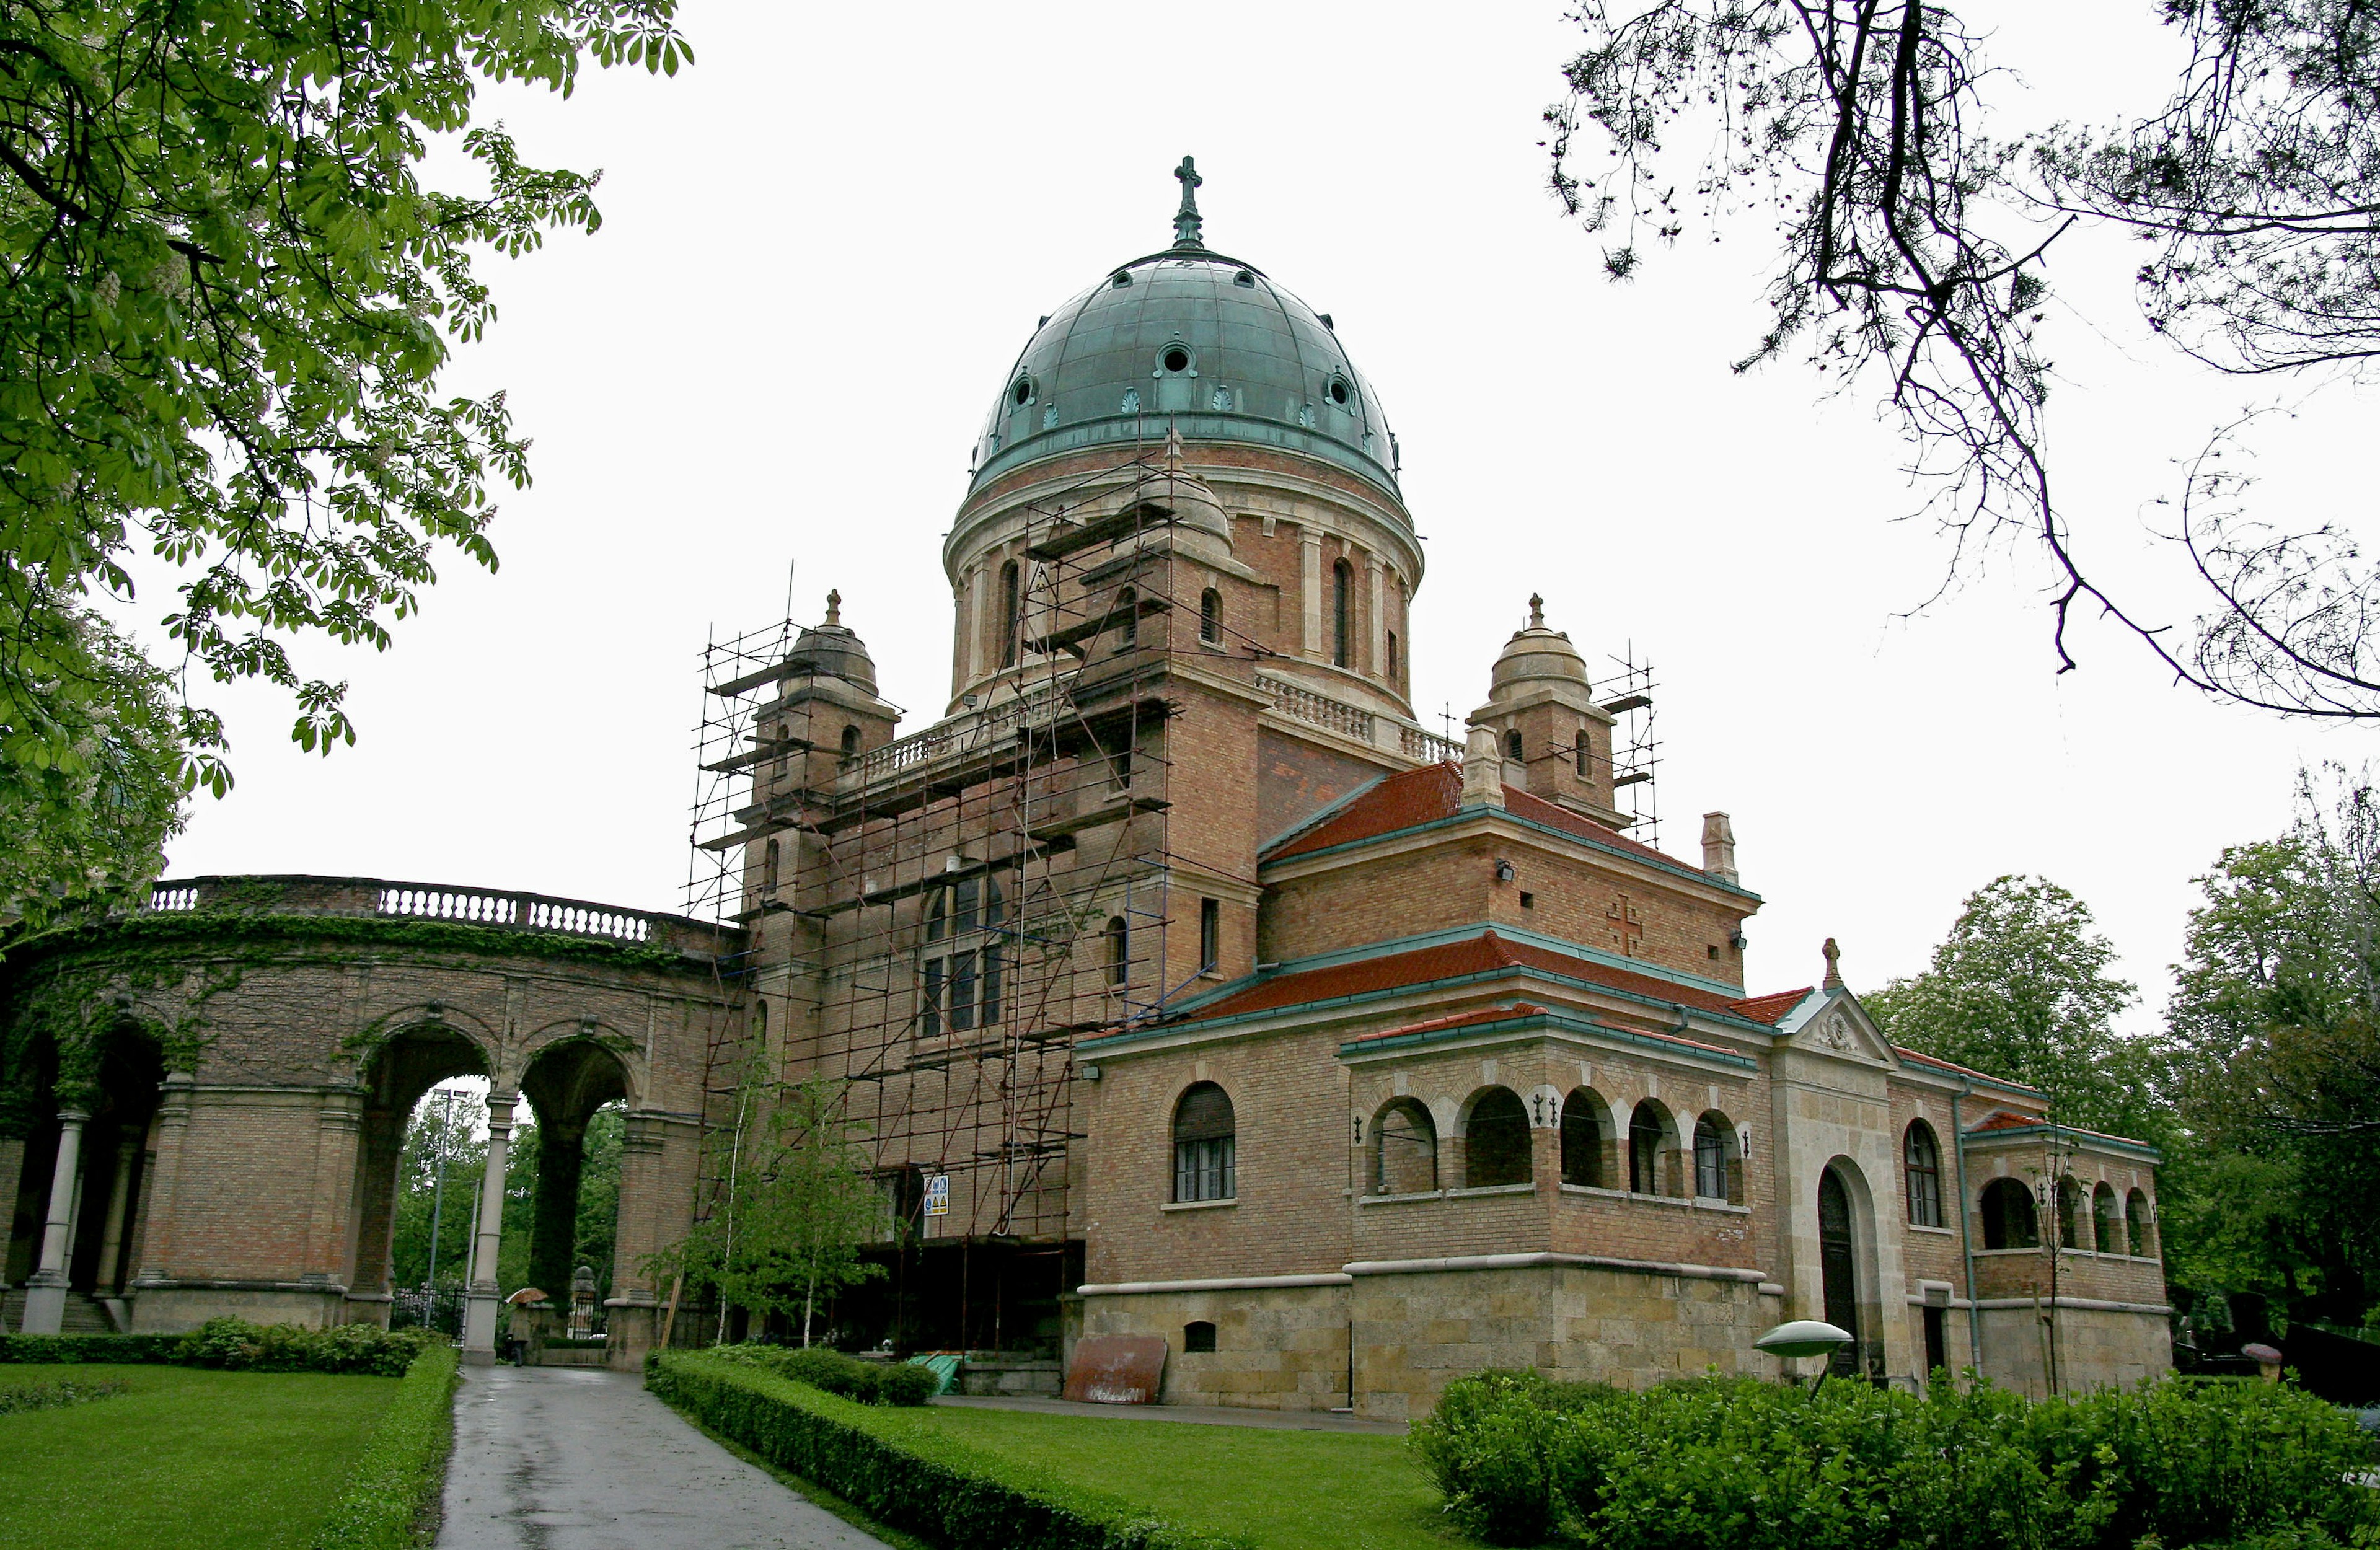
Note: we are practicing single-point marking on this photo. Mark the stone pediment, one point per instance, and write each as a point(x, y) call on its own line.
point(1835, 1025)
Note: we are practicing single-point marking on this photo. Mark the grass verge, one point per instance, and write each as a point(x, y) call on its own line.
point(387, 1500)
point(1240, 1485)
point(185, 1456)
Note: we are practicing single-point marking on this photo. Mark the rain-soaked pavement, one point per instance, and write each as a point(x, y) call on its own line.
point(579, 1458)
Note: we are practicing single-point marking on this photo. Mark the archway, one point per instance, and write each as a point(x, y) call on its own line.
point(95, 1107)
point(1837, 1268)
point(569, 1086)
point(397, 1080)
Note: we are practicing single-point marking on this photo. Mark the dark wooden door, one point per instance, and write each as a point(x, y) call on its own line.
point(1835, 1267)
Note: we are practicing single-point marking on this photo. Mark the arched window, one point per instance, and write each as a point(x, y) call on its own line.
point(769, 871)
point(963, 967)
point(1405, 1149)
point(1582, 1139)
point(2136, 1217)
point(785, 745)
point(1646, 1134)
point(1392, 655)
point(1496, 1142)
point(2008, 1221)
point(1011, 619)
point(2106, 1223)
point(1198, 1335)
point(850, 744)
point(2069, 1211)
point(1119, 944)
point(1343, 614)
point(1512, 746)
point(1714, 1148)
point(1210, 617)
point(1127, 618)
point(1205, 1144)
point(1921, 1164)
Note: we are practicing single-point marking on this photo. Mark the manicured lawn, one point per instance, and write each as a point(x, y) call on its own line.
point(1282, 1490)
point(188, 1457)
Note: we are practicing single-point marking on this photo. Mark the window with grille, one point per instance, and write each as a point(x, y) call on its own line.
point(1206, 1143)
point(961, 978)
point(1210, 617)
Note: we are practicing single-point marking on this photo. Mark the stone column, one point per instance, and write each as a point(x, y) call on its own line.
point(119, 1197)
point(45, 1299)
point(479, 1316)
point(1309, 556)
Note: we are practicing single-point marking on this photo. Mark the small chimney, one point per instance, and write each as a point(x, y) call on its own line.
point(1483, 769)
point(1718, 847)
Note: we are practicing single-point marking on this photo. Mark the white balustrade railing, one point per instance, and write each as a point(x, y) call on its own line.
point(1428, 747)
point(1317, 710)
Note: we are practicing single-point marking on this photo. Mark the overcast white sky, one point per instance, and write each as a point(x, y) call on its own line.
point(825, 243)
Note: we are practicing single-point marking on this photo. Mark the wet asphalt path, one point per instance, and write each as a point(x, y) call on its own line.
point(578, 1458)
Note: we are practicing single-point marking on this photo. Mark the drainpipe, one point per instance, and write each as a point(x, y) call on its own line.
point(1966, 1232)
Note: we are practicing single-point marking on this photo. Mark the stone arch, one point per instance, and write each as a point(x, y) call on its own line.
point(566, 1081)
point(1653, 1165)
point(408, 1053)
point(2140, 1221)
point(2006, 1207)
point(87, 1110)
point(1590, 1142)
point(1404, 1148)
point(1493, 1128)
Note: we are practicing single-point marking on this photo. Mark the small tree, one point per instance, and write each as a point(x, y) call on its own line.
point(797, 1207)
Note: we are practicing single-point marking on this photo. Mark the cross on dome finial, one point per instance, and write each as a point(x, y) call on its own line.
point(1834, 956)
point(833, 610)
point(1536, 612)
point(1187, 221)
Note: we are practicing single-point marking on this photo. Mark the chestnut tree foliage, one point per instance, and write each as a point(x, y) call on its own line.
point(225, 293)
point(1913, 245)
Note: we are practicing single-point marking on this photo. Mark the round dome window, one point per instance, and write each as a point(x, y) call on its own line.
point(1022, 392)
point(1340, 392)
point(1175, 358)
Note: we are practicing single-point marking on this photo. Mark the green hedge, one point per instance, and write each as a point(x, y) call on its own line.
point(403, 1465)
point(1735, 1464)
point(897, 1469)
point(57, 1393)
point(870, 1383)
point(236, 1344)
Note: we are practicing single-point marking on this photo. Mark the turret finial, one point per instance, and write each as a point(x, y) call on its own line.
point(1536, 612)
point(1187, 221)
point(833, 610)
point(1174, 450)
point(1834, 956)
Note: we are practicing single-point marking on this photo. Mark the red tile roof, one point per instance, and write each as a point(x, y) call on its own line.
point(1769, 1007)
point(1482, 954)
point(1418, 796)
point(1458, 1020)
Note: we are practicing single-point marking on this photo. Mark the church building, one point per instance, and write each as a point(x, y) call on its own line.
point(1180, 981)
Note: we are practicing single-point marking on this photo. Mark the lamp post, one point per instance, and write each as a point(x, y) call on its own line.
point(1804, 1336)
point(438, 1202)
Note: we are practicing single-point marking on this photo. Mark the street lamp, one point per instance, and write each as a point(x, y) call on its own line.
point(1804, 1336)
point(437, 1198)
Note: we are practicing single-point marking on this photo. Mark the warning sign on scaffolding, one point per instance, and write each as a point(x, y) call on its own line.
point(938, 1194)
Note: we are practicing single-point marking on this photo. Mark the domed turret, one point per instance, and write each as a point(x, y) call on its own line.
point(832, 650)
point(1190, 340)
point(1535, 655)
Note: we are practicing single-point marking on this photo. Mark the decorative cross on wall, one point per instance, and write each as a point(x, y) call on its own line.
point(1627, 928)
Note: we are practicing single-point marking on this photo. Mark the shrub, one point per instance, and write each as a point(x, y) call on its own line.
point(898, 1470)
point(404, 1464)
point(907, 1384)
point(236, 1344)
point(58, 1394)
point(1734, 1464)
point(67, 1349)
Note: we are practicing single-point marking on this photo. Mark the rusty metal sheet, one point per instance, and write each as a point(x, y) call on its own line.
point(1116, 1369)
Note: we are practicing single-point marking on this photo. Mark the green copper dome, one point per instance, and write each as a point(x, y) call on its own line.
point(1186, 339)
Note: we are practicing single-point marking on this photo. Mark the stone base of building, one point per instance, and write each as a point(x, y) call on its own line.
point(171, 1307)
point(2091, 1344)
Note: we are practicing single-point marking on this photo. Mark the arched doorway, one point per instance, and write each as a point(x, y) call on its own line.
point(1837, 1272)
point(568, 1086)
